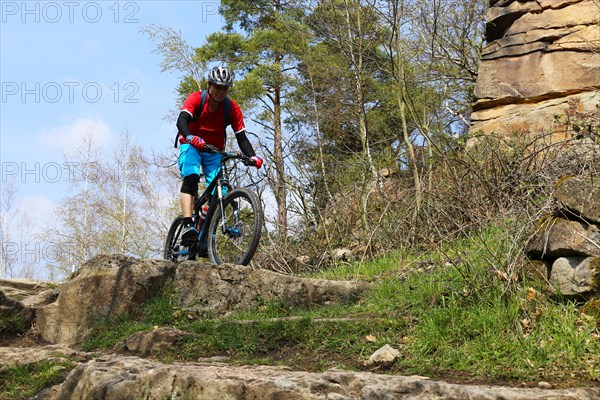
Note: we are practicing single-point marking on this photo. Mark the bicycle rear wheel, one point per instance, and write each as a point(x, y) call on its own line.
point(234, 231)
point(173, 249)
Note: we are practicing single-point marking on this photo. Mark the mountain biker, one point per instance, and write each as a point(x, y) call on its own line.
point(197, 127)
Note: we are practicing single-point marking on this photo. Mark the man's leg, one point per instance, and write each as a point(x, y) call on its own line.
point(189, 165)
point(210, 166)
point(186, 201)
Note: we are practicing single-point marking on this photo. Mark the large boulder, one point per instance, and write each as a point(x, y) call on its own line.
point(110, 286)
point(104, 287)
point(560, 237)
point(580, 197)
point(211, 291)
point(542, 59)
point(569, 240)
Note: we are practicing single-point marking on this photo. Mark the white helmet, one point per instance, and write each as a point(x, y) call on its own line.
point(220, 76)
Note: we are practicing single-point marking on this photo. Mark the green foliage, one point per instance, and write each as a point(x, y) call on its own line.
point(188, 85)
point(467, 324)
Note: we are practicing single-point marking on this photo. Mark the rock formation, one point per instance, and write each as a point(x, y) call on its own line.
point(19, 301)
point(542, 58)
point(211, 290)
point(103, 288)
point(107, 287)
point(123, 377)
point(568, 241)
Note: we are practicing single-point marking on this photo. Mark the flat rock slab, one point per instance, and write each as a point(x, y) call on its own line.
point(558, 237)
point(123, 378)
point(20, 356)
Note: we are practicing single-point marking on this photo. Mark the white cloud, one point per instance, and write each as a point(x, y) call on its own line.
point(68, 135)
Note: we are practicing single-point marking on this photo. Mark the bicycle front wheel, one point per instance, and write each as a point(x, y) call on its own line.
point(235, 229)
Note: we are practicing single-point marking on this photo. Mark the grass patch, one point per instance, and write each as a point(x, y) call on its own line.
point(451, 313)
point(20, 382)
point(160, 310)
point(301, 343)
point(12, 324)
point(112, 334)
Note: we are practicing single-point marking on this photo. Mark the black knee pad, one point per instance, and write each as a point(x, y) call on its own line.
point(190, 184)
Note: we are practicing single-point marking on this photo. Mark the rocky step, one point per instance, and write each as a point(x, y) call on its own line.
point(123, 377)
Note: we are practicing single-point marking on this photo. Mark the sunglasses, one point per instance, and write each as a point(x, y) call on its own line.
point(220, 87)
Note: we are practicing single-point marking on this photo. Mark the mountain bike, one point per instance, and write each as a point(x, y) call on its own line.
point(231, 230)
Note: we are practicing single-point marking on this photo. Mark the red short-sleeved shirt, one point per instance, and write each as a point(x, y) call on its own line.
point(210, 125)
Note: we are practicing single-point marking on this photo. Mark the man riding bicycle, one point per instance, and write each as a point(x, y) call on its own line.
point(203, 120)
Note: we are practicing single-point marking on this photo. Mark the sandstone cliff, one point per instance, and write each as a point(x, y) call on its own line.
point(541, 62)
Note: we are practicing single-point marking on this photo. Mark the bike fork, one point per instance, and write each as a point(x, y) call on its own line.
point(220, 198)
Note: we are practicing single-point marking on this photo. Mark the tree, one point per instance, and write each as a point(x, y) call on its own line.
point(13, 225)
point(261, 42)
point(337, 102)
point(353, 30)
point(121, 204)
point(177, 55)
point(343, 88)
point(76, 236)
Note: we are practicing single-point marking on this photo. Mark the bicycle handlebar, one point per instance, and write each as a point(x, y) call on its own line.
point(228, 156)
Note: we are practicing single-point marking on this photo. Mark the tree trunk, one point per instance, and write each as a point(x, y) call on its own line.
point(401, 98)
point(280, 195)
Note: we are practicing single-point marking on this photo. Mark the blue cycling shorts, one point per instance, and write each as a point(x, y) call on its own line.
point(191, 159)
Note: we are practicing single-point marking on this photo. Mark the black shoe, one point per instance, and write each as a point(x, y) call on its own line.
point(202, 250)
point(189, 235)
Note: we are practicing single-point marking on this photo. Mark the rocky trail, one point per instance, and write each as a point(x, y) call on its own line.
point(127, 377)
point(108, 286)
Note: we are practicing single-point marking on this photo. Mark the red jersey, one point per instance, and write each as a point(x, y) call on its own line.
point(210, 125)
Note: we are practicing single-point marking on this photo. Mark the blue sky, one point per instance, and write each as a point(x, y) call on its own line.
point(65, 65)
